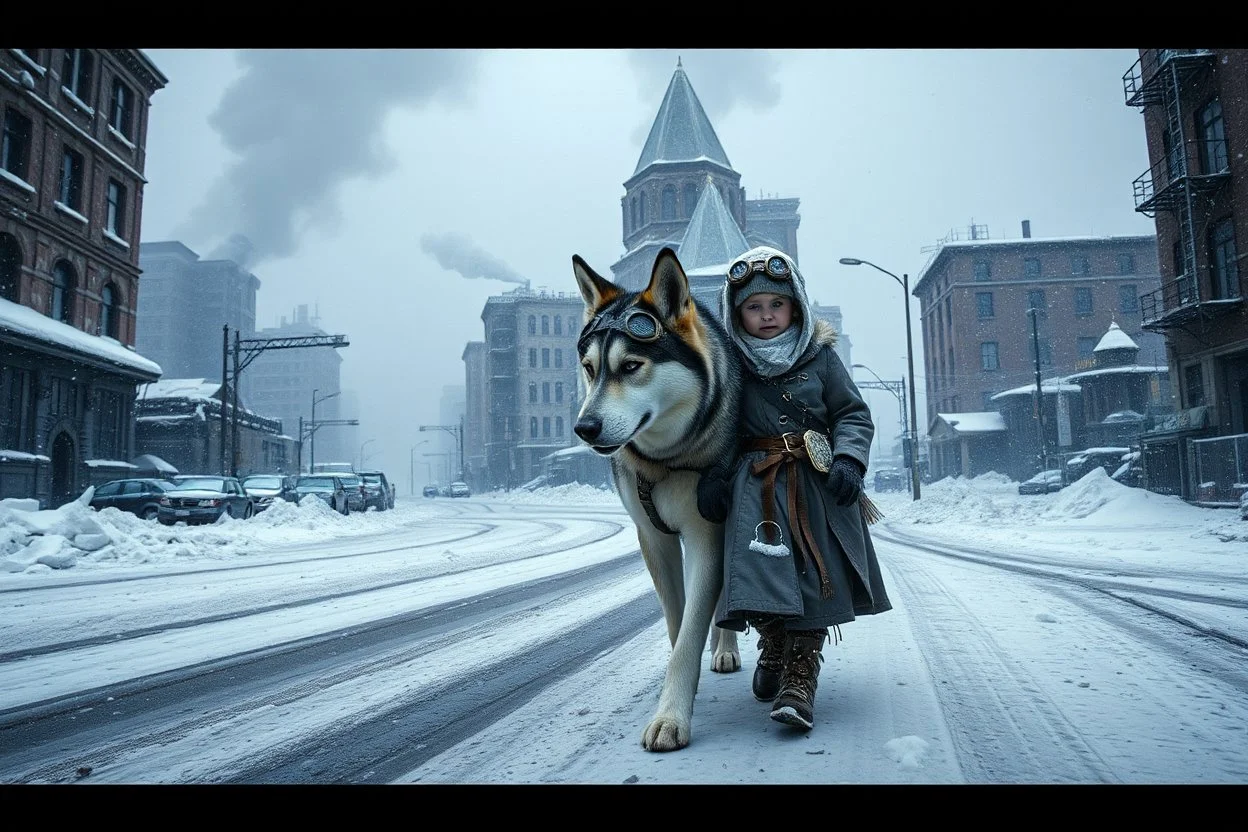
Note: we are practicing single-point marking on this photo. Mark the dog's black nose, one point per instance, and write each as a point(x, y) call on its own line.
point(588, 428)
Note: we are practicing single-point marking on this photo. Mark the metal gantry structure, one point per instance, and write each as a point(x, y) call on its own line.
point(454, 430)
point(245, 351)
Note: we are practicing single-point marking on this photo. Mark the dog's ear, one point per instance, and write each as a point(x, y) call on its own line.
point(596, 290)
point(668, 291)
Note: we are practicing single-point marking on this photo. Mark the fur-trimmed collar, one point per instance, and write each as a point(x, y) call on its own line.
point(824, 334)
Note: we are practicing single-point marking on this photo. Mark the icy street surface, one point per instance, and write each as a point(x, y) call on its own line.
point(1096, 635)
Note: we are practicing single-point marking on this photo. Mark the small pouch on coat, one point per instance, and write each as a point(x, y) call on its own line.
point(774, 550)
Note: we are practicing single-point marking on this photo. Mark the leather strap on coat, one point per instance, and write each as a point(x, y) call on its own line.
point(789, 451)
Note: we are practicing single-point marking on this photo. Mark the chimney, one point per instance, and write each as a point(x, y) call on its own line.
point(303, 313)
point(1026, 229)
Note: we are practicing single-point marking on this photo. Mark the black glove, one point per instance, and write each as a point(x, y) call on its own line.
point(714, 495)
point(845, 480)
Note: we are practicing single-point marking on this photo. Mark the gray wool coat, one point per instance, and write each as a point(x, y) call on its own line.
point(785, 585)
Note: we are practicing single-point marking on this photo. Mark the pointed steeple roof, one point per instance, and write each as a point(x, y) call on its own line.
point(712, 237)
point(681, 131)
point(1115, 339)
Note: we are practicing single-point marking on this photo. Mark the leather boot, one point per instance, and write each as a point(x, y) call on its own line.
point(770, 658)
point(795, 703)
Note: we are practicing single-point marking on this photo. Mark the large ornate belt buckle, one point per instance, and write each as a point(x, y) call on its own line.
point(818, 450)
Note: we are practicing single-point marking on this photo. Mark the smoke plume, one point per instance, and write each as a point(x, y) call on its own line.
point(303, 121)
point(455, 252)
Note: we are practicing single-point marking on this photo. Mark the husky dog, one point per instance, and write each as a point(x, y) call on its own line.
point(662, 399)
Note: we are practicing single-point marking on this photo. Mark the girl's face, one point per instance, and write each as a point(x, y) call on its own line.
point(765, 315)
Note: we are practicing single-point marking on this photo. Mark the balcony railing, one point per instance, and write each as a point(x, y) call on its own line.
point(1177, 294)
point(1140, 84)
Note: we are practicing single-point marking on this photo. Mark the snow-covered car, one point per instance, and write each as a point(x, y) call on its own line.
point(265, 488)
point(379, 492)
point(890, 479)
point(137, 496)
point(327, 487)
point(430, 490)
point(1046, 482)
point(460, 489)
point(204, 500)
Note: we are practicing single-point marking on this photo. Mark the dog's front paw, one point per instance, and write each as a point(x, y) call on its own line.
point(726, 662)
point(665, 734)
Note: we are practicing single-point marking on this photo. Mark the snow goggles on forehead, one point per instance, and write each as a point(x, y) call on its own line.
point(637, 324)
point(775, 267)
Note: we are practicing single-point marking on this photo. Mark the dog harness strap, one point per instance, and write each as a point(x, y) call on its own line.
point(644, 487)
point(788, 452)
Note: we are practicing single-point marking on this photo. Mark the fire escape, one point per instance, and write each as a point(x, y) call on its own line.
point(1172, 185)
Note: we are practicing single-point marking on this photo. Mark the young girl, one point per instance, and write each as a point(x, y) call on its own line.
point(798, 557)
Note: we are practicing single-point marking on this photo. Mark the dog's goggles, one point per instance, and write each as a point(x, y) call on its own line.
point(637, 324)
point(775, 267)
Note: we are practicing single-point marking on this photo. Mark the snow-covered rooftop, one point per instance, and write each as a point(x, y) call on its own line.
point(681, 131)
point(1131, 368)
point(712, 237)
point(26, 321)
point(1055, 386)
point(195, 389)
point(984, 421)
point(1115, 339)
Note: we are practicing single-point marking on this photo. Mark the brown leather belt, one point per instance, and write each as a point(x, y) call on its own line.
point(787, 450)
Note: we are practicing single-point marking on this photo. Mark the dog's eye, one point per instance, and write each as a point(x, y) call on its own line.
point(630, 366)
point(589, 370)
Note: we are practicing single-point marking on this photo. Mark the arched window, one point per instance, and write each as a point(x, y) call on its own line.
point(63, 292)
point(532, 426)
point(632, 214)
point(558, 325)
point(691, 198)
point(532, 324)
point(532, 391)
point(109, 318)
point(10, 268)
point(545, 324)
point(642, 212)
point(669, 203)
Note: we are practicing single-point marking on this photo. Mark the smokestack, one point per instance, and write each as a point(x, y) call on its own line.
point(1026, 229)
point(303, 313)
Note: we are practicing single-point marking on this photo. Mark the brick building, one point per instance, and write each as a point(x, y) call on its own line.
point(72, 157)
point(1195, 108)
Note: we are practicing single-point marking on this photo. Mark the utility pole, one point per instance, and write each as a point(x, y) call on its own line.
point(1035, 343)
point(225, 376)
point(458, 432)
point(234, 414)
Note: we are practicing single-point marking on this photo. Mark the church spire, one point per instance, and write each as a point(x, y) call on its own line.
point(681, 131)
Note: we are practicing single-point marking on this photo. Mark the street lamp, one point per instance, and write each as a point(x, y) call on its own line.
point(312, 444)
point(904, 282)
point(1034, 314)
point(362, 446)
point(411, 459)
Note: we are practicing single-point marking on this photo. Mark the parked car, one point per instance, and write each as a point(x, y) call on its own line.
point(137, 496)
point(378, 490)
point(460, 489)
point(357, 498)
point(1046, 482)
point(327, 487)
point(265, 488)
point(1108, 458)
point(890, 479)
point(204, 500)
point(430, 490)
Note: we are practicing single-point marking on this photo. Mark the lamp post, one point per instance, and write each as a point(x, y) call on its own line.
point(411, 459)
point(362, 446)
point(913, 439)
point(1034, 313)
point(312, 444)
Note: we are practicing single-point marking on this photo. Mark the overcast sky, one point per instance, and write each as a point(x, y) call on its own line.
point(396, 190)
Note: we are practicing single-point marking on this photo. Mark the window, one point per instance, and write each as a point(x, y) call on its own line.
point(1031, 267)
point(983, 270)
point(668, 211)
point(983, 304)
point(1126, 264)
point(532, 392)
point(532, 324)
point(1079, 264)
point(558, 327)
point(1194, 385)
point(63, 292)
point(116, 218)
point(1213, 158)
point(533, 427)
point(558, 391)
point(1036, 300)
point(573, 326)
point(545, 324)
point(558, 355)
point(546, 392)
point(632, 214)
point(121, 109)
point(76, 74)
point(1083, 302)
point(1128, 298)
point(1224, 265)
point(110, 429)
point(109, 489)
point(545, 426)
point(10, 270)
point(558, 426)
point(532, 357)
point(691, 198)
point(17, 396)
point(71, 179)
point(109, 323)
point(1086, 346)
point(15, 145)
point(988, 359)
point(642, 210)
point(545, 358)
